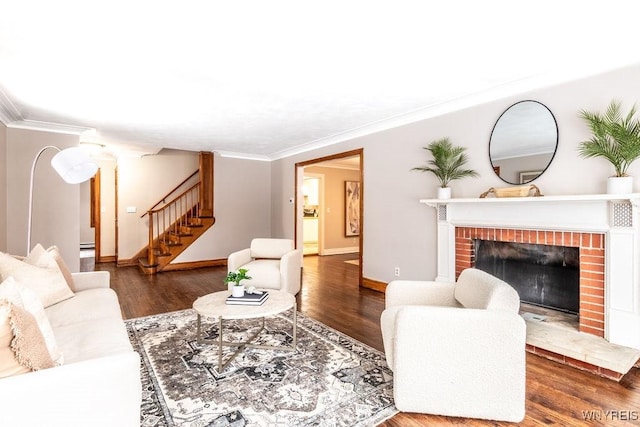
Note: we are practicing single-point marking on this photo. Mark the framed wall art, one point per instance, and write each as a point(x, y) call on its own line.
point(352, 208)
point(528, 176)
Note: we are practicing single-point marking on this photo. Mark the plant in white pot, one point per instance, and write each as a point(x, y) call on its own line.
point(447, 165)
point(236, 277)
point(616, 138)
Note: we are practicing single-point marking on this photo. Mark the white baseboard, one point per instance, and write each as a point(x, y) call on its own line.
point(339, 251)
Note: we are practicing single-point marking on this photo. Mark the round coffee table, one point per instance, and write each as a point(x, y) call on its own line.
point(214, 306)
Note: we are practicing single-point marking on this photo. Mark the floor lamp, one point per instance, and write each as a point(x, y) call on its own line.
point(72, 164)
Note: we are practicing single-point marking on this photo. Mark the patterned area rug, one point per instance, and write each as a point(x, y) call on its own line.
point(331, 380)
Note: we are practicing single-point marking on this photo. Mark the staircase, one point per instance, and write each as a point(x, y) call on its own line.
point(181, 221)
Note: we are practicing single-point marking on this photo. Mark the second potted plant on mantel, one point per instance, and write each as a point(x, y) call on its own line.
point(236, 277)
point(447, 165)
point(617, 139)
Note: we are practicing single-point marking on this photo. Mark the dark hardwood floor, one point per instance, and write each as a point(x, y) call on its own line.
point(556, 394)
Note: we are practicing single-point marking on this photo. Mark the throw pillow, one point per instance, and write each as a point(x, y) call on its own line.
point(27, 299)
point(26, 342)
point(40, 273)
point(66, 273)
point(9, 365)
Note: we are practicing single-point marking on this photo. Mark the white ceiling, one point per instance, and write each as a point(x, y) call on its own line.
point(266, 79)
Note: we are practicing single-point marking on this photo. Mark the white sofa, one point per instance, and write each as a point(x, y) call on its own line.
point(272, 264)
point(98, 383)
point(456, 349)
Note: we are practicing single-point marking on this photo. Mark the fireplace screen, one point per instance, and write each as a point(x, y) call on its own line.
point(543, 275)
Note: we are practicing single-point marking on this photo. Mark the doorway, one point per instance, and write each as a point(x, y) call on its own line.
point(98, 214)
point(333, 212)
point(312, 207)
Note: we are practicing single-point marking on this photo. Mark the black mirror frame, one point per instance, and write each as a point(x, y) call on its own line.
point(555, 122)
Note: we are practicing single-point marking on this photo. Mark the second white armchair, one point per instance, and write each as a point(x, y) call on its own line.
point(456, 349)
point(272, 264)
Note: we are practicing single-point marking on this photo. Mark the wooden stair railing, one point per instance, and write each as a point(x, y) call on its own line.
point(177, 224)
point(172, 221)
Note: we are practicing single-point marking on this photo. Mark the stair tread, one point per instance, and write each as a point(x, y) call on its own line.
point(172, 243)
point(179, 240)
point(180, 234)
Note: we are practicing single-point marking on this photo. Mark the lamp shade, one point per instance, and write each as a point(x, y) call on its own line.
point(74, 165)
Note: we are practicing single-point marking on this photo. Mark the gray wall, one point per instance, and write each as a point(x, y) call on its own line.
point(398, 231)
point(242, 209)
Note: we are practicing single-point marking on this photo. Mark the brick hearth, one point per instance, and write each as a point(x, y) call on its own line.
point(592, 261)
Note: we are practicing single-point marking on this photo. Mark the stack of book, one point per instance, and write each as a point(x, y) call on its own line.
point(248, 299)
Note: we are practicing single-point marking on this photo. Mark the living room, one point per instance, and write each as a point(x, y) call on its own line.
point(254, 197)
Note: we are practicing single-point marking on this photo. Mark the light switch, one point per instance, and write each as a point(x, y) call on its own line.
point(131, 209)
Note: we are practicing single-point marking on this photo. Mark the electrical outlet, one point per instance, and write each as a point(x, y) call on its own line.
point(396, 271)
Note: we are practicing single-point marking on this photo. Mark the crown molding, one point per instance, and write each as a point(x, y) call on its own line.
point(48, 127)
point(8, 111)
point(244, 156)
point(437, 109)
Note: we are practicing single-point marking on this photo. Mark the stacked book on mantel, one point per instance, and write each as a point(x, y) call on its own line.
point(248, 299)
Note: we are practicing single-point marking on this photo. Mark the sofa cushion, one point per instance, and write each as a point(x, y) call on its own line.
point(22, 347)
point(19, 295)
point(268, 272)
point(92, 338)
point(270, 248)
point(43, 277)
point(478, 289)
point(90, 304)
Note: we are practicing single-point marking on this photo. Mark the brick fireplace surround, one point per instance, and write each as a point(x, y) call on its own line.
point(591, 250)
point(605, 229)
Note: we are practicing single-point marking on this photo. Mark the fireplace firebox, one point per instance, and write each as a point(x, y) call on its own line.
point(543, 275)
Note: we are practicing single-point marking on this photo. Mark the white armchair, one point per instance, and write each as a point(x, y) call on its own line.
point(456, 349)
point(272, 264)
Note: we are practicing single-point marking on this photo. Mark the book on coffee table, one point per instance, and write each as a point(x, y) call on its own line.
point(248, 299)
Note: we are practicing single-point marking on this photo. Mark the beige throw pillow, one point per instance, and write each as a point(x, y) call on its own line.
point(66, 273)
point(40, 273)
point(25, 341)
point(27, 299)
point(9, 365)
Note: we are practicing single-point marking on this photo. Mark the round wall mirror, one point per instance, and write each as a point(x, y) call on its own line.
point(523, 142)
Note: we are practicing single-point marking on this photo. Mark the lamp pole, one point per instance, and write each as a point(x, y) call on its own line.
point(33, 171)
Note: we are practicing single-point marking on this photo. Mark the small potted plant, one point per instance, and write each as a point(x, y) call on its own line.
point(447, 165)
point(236, 277)
point(617, 139)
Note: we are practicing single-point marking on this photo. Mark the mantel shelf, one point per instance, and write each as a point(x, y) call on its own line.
point(541, 199)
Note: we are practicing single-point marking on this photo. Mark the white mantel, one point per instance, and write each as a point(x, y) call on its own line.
point(615, 216)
